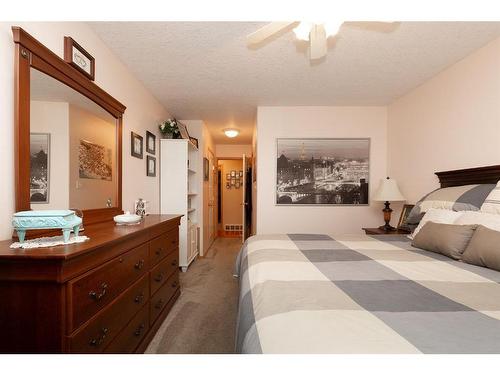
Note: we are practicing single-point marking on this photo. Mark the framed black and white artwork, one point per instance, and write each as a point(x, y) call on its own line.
point(150, 142)
point(136, 145)
point(150, 166)
point(39, 167)
point(322, 171)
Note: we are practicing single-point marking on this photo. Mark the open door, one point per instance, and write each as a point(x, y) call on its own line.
point(212, 184)
point(247, 199)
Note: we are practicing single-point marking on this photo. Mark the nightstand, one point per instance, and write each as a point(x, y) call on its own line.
point(375, 231)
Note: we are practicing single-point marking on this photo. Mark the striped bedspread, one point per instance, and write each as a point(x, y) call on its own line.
point(306, 293)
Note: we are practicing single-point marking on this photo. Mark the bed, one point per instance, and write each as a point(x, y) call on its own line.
point(315, 293)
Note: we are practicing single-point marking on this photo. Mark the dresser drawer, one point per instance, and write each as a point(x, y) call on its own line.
point(163, 295)
point(162, 271)
point(163, 245)
point(132, 334)
point(94, 290)
point(100, 331)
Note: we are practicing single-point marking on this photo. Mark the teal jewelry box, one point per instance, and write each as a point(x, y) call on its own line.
point(46, 219)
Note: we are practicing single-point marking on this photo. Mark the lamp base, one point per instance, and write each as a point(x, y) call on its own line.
point(387, 218)
point(387, 228)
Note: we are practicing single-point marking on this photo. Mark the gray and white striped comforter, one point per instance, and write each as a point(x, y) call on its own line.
point(306, 293)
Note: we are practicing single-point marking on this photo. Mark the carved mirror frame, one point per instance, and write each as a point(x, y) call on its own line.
point(30, 53)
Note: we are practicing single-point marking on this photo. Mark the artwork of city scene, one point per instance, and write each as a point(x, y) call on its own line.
point(39, 167)
point(95, 161)
point(322, 171)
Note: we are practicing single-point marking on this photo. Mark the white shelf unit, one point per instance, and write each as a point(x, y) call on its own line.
point(179, 180)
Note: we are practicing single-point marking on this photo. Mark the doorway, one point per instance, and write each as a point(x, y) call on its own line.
point(230, 197)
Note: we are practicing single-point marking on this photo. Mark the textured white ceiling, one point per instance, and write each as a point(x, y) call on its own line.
point(204, 70)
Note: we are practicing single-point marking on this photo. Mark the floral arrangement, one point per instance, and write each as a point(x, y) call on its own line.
point(169, 128)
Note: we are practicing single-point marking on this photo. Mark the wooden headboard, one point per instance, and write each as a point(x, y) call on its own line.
point(481, 175)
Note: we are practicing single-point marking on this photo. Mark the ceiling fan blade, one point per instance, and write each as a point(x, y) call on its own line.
point(318, 46)
point(267, 31)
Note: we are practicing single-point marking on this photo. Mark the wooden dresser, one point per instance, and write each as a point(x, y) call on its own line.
point(107, 295)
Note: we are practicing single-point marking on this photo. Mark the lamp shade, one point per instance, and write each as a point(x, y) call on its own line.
point(388, 191)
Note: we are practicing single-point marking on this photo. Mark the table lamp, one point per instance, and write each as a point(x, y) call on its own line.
point(388, 191)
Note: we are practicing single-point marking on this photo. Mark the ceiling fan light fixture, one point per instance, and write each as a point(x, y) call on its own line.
point(332, 27)
point(231, 133)
point(303, 30)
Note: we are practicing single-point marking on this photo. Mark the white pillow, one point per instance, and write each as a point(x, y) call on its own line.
point(492, 203)
point(491, 221)
point(437, 215)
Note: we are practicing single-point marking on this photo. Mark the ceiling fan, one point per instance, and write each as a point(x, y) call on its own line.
point(316, 33)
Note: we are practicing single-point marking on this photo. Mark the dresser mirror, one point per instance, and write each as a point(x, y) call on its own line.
point(68, 136)
point(72, 148)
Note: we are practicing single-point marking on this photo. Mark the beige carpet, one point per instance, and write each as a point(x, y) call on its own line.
point(203, 319)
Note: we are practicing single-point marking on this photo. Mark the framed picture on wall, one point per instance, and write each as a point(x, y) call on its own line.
point(206, 168)
point(228, 176)
point(40, 167)
point(241, 173)
point(136, 145)
point(150, 166)
point(150, 142)
point(233, 173)
point(322, 171)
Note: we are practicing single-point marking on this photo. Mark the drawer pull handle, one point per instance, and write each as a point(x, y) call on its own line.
point(159, 250)
point(98, 341)
point(139, 298)
point(174, 262)
point(159, 277)
point(159, 304)
point(98, 296)
point(139, 264)
point(174, 284)
point(138, 331)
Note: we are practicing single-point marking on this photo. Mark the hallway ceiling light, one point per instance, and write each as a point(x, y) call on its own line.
point(231, 133)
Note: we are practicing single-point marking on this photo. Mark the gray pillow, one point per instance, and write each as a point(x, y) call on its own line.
point(456, 198)
point(484, 249)
point(447, 239)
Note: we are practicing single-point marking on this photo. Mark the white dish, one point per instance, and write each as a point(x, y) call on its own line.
point(127, 219)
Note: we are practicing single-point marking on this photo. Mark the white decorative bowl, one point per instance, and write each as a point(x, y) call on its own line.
point(127, 219)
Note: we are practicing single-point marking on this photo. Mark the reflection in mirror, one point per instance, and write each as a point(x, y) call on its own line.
point(72, 148)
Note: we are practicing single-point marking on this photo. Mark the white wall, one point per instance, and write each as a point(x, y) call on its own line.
point(232, 151)
point(317, 122)
point(53, 118)
point(452, 121)
point(143, 110)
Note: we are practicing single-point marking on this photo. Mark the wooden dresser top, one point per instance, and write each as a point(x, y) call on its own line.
point(99, 234)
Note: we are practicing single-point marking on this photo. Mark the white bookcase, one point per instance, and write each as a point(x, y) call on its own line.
point(180, 176)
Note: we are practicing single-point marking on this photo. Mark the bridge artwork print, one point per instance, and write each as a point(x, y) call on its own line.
point(322, 171)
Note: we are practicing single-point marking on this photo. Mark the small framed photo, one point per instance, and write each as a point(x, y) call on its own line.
point(151, 166)
point(150, 143)
point(233, 181)
point(77, 57)
point(237, 184)
point(228, 185)
point(206, 168)
point(183, 130)
point(233, 173)
point(136, 145)
point(241, 173)
point(228, 176)
point(405, 212)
